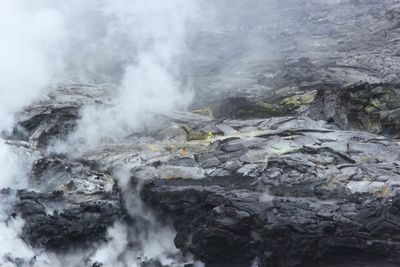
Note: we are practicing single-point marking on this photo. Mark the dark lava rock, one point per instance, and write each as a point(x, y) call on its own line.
point(363, 106)
point(73, 207)
point(273, 184)
point(208, 225)
point(244, 107)
point(69, 227)
point(50, 124)
point(227, 224)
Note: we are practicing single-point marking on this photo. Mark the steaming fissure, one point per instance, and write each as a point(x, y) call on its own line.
point(199, 133)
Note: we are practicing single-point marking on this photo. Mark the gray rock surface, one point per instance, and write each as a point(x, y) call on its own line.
point(72, 205)
point(292, 161)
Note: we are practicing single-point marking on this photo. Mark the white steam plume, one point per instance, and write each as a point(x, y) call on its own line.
point(29, 53)
point(135, 43)
point(30, 40)
point(149, 86)
point(151, 34)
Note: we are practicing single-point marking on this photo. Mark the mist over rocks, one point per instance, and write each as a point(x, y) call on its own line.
point(221, 133)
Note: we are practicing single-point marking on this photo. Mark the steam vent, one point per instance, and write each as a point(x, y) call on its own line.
point(200, 133)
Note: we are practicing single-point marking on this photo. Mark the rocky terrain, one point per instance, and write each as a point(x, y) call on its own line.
point(290, 159)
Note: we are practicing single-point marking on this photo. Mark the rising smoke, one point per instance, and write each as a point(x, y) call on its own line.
point(142, 43)
point(139, 47)
point(136, 45)
point(30, 40)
